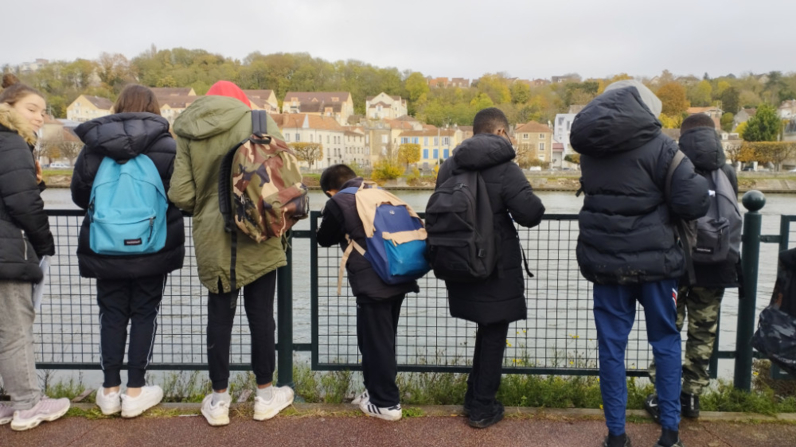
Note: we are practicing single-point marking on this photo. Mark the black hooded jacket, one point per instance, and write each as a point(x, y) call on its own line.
point(500, 298)
point(626, 231)
point(703, 147)
point(124, 136)
point(24, 226)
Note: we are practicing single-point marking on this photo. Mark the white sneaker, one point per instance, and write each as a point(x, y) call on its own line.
point(6, 414)
point(393, 413)
point(364, 397)
point(282, 397)
point(134, 406)
point(109, 403)
point(46, 410)
point(216, 415)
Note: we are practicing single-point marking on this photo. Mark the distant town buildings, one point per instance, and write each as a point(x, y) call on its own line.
point(384, 106)
point(337, 105)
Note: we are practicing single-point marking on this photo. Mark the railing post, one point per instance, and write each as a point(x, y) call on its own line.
point(284, 283)
point(753, 201)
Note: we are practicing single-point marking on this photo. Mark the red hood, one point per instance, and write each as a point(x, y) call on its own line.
point(229, 89)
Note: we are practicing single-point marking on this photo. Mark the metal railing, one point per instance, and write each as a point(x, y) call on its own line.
point(559, 336)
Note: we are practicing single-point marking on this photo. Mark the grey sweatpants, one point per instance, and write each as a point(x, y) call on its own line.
point(17, 362)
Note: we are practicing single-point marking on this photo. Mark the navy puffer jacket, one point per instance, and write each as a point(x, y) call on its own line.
point(626, 224)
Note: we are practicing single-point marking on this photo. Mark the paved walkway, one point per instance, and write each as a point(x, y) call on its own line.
point(323, 425)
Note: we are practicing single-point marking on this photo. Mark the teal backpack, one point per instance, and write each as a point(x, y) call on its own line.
point(128, 207)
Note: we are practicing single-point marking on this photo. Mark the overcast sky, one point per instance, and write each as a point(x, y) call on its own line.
point(441, 38)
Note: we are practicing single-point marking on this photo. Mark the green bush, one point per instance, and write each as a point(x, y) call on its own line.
point(386, 170)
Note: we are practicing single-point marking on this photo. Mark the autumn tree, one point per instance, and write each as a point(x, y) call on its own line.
point(776, 152)
point(674, 99)
point(701, 94)
point(727, 121)
point(520, 93)
point(495, 87)
point(764, 126)
point(408, 153)
point(307, 152)
point(730, 100)
point(572, 158)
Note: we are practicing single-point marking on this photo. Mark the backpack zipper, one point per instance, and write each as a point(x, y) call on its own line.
point(151, 226)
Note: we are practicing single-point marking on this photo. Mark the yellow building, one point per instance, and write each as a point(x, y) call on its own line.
point(534, 141)
point(435, 144)
point(86, 108)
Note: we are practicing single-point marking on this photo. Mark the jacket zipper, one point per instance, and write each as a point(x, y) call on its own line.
point(24, 244)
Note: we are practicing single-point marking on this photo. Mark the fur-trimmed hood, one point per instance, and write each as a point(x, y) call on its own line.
point(12, 120)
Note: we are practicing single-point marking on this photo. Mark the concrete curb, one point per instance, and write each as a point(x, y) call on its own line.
point(456, 410)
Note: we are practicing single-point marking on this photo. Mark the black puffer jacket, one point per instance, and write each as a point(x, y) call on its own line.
point(340, 218)
point(24, 227)
point(703, 147)
point(626, 233)
point(124, 136)
point(501, 298)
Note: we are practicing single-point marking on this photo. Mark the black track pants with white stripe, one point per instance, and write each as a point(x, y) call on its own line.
point(136, 301)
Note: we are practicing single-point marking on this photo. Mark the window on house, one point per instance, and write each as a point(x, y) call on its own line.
point(298, 137)
point(542, 136)
point(541, 157)
point(416, 140)
point(311, 138)
point(525, 136)
point(445, 154)
point(425, 154)
point(541, 146)
point(385, 139)
point(446, 141)
point(436, 141)
point(425, 141)
point(436, 154)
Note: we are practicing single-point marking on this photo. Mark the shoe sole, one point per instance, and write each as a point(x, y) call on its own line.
point(484, 423)
point(139, 412)
point(215, 422)
point(384, 417)
point(271, 413)
point(110, 412)
point(6, 420)
point(39, 419)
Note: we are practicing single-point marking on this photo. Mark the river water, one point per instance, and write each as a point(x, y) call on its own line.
point(558, 333)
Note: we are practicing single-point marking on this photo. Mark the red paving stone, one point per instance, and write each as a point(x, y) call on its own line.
point(301, 431)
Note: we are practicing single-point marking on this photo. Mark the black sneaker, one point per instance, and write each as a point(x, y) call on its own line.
point(466, 410)
point(488, 420)
point(622, 440)
point(651, 405)
point(690, 405)
point(669, 438)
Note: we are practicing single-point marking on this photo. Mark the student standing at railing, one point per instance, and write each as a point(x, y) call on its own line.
point(627, 244)
point(130, 285)
point(24, 238)
point(499, 299)
point(206, 131)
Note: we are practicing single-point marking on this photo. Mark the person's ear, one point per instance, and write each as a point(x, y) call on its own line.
point(331, 192)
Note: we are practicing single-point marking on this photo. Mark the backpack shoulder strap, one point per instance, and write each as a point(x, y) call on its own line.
point(224, 189)
point(676, 160)
point(352, 245)
point(259, 123)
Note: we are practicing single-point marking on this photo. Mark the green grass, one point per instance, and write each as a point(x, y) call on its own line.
point(449, 388)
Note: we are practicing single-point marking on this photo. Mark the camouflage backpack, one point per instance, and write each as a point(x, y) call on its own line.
point(259, 186)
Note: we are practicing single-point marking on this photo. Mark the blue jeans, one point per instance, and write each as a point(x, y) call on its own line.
point(614, 313)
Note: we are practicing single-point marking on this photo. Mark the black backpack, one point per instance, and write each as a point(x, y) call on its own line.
point(462, 244)
point(776, 331)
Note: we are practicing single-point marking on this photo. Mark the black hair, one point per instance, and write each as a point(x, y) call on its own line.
point(697, 120)
point(489, 120)
point(334, 177)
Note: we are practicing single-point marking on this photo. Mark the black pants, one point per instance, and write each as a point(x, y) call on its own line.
point(135, 301)
point(484, 379)
point(377, 328)
point(259, 304)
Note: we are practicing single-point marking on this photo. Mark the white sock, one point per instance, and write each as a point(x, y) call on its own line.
point(266, 393)
point(221, 397)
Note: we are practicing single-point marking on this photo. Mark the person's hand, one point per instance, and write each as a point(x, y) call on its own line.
point(38, 172)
